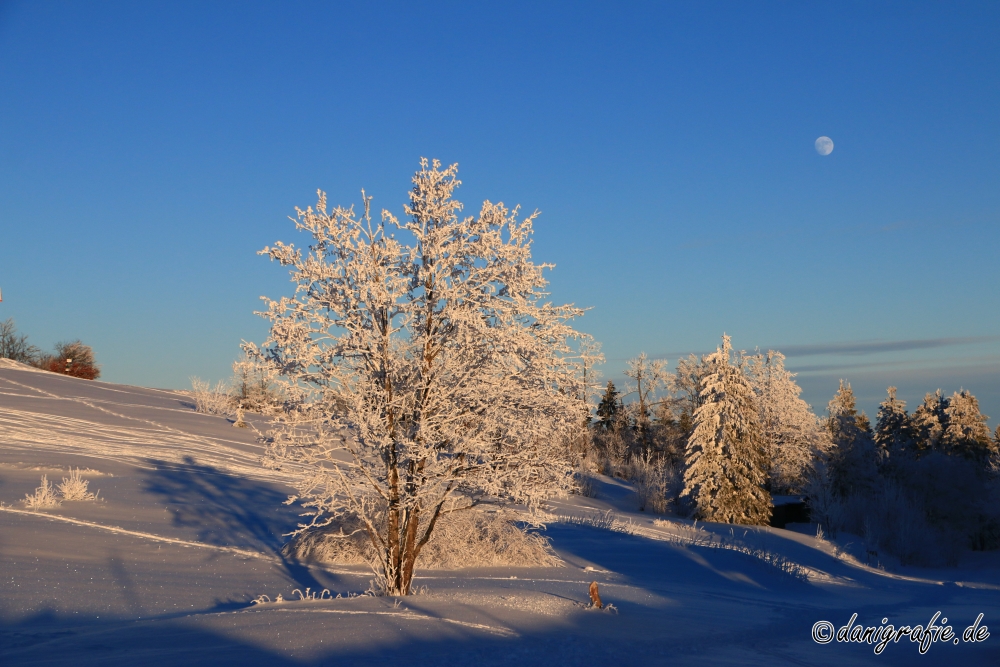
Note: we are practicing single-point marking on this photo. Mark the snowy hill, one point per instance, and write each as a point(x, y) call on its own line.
point(186, 532)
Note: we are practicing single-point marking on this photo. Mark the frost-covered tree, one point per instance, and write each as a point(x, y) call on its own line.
point(590, 356)
point(725, 458)
point(791, 431)
point(892, 426)
point(686, 385)
point(254, 387)
point(425, 370)
point(648, 375)
point(854, 458)
point(928, 422)
point(967, 433)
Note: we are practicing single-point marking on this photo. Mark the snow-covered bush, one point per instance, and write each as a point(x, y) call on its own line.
point(424, 368)
point(656, 482)
point(211, 400)
point(74, 487)
point(254, 387)
point(43, 498)
point(471, 538)
point(891, 521)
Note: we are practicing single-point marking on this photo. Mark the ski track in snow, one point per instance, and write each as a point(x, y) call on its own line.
point(405, 615)
point(134, 445)
point(245, 553)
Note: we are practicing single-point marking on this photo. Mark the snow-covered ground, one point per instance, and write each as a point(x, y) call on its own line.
point(162, 569)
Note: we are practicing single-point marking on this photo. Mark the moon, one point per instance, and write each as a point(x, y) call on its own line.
point(824, 145)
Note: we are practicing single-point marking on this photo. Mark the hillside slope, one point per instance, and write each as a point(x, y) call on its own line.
point(187, 531)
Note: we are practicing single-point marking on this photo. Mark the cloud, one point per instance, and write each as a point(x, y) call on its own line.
point(877, 346)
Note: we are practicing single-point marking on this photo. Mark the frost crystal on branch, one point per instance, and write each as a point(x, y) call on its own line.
point(424, 371)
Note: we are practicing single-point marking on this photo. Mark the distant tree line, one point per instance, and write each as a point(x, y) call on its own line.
point(69, 358)
point(726, 431)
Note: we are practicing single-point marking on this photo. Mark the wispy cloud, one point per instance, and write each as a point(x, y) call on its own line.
point(845, 348)
point(878, 346)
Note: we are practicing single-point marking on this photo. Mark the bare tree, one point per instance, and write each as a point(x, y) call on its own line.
point(15, 346)
point(648, 375)
point(423, 375)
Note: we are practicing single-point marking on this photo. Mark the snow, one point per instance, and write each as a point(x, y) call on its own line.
point(162, 569)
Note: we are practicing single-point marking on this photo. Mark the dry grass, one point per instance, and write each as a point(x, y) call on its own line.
point(74, 487)
point(460, 540)
point(43, 498)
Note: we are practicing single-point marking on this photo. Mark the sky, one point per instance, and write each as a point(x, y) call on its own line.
point(148, 150)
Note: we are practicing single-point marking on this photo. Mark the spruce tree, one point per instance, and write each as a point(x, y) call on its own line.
point(928, 422)
point(966, 433)
point(609, 409)
point(854, 458)
point(892, 427)
point(726, 461)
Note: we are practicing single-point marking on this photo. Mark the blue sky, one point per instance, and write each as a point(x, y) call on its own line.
point(147, 150)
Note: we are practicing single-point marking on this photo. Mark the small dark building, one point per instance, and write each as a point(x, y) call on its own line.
point(789, 509)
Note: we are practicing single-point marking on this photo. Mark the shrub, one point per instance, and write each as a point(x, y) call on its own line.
point(72, 358)
point(43, 498)
point(461, 539)
point(655, 482)
point(254, 387)
point(212, 400)
point(74, 487)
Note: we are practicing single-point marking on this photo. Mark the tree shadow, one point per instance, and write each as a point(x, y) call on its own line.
point(228, 510)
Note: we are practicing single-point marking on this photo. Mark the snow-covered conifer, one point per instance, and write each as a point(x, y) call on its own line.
point(425, 371)
point(967, 433)
point(892, 426)
point(791, 431)
point(854, 458)
point(726, 461)
point(928, 422)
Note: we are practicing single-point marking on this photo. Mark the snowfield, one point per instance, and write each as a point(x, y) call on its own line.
point(164, 567)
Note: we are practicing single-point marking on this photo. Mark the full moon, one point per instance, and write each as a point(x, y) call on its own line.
point(824, 145)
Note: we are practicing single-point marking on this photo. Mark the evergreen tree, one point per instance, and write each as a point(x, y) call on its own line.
point(726, 461)
point(854, 458)
point(892, 428)
point(609, 409)
point(966, 433)
point(928, 422)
